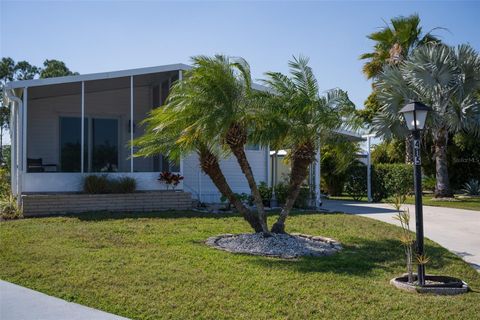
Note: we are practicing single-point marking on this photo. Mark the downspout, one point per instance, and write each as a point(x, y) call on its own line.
point(17, 104)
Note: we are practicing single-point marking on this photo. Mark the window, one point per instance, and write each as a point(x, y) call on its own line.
point(104, 142)
point(252, 147)
point(70, 144)
point(100, 134)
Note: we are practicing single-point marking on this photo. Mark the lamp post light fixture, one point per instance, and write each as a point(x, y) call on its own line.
point(415, 115)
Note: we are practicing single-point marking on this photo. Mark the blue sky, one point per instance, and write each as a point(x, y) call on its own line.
point(96, 36)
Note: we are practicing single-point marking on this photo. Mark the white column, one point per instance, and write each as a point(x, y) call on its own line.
point(318, 195)
point(267, 159)
point(14, 146)
point(24, 130)
point(131, 123)
point(369, 171)
point(82, 139)
point(180, 78)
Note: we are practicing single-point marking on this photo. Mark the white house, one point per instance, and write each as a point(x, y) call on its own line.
point(65, 128)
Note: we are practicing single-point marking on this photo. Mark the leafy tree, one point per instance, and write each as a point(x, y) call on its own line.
point(55, 68)
point(206, 113)
point(9, 71)
point(294, 116)
point(446, 79)
point(338, 156)
point(389, 151)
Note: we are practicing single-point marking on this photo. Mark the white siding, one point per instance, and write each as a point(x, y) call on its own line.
point(197, 182)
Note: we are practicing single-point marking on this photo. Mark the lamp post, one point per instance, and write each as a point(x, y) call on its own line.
point(415, 114)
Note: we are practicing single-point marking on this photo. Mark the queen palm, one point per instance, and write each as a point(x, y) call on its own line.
point(293, 117)
point(446, 79)
point(170, 131)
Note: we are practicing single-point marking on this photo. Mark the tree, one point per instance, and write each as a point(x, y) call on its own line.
point(338, 156)
point(55, 68)
point(393, 44)
point(294, 117)
point(206, 114)
point(444, 78)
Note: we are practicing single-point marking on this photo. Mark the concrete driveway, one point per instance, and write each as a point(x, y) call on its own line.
point(455, 229)
point(19, 303)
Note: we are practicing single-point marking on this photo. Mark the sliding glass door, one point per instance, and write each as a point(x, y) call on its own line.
point(101, 144)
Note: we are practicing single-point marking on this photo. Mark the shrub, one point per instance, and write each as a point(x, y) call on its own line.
point(96, 184)
point(170, 179)
point(123, 185)
point(428, 183)
point(389, 180)
point(4, 182)
point(472, 187)
point(356, 185)
point(281, 191)
point(265, 193)
point(9, 208)
point(101, 184)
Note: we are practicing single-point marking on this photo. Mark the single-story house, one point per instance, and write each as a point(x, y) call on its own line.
point(65, 128)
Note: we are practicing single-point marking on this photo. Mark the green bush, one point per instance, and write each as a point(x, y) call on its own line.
point(101, 184)
point(356, 185)
point(389, 180)
point(96, 184)
point(428, 183)
point(281, 191)
point(9, 208)
point(265, 193)
point(123, 185)
point(4, 182)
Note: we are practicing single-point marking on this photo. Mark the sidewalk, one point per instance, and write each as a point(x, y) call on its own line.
point(455, 229)
point(20, 303)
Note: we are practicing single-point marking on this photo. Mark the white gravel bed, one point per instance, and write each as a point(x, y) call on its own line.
point(278, 245)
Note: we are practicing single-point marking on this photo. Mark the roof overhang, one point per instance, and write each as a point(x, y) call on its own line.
point(96, 76)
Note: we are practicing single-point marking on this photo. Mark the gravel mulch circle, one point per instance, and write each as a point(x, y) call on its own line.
point(287, 246)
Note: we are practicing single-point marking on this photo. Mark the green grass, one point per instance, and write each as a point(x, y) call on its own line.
point(460, 203)
point(156, 266)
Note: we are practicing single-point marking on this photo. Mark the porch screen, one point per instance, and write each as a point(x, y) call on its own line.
point(70, 143)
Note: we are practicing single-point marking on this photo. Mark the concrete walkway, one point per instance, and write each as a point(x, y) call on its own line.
point(455, 229)
point(19, 303)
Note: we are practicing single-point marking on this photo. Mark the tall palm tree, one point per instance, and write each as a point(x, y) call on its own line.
point(394, 43)
point(219, 90)
point(293, 117)
point(170, 130)
point(446, 79)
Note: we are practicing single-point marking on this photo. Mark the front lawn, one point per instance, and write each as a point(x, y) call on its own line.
point(459, 203)
point(156, 266)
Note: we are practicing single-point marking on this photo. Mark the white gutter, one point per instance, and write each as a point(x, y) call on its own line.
point(14, 133)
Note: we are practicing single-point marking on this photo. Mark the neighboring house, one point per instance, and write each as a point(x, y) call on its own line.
point(65, 128)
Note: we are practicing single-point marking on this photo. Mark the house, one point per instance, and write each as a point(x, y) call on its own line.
point(65, 128)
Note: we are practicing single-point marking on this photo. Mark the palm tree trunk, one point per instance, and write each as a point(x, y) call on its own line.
point(299, 173)
point(209, 164)
point(239, 153)
point(442, 187)
point(409, 149)
point(236, 138)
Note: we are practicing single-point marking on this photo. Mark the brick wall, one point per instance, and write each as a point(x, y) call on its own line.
point(45, 204)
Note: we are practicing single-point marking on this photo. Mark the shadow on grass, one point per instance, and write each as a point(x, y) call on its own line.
point(170, 214)
point(361, 257)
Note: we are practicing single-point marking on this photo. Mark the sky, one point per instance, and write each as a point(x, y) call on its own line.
point(98, 36)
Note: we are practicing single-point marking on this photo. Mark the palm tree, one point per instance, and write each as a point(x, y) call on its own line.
point(394, 43)
point(294, 117)
point(219, 91)
point(446, 79)
point(170, 130)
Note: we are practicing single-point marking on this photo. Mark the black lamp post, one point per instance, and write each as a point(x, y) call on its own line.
point(415, 114)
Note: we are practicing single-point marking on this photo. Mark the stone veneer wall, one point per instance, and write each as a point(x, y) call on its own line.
point(45, 204)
